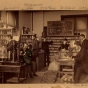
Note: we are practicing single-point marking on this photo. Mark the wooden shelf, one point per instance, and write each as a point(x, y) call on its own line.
point(57, 41)
point(26, 34)
point(4, 34)
point(63, 72)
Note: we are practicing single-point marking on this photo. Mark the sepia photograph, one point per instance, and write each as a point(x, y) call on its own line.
point(44, 47)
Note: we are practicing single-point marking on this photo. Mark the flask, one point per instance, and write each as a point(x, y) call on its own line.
point(75, 33)
point(78, 33)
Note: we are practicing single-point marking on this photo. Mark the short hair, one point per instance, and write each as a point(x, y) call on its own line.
point(82, 35)
point(30, 46)
point(34, 35)
point(65, 39)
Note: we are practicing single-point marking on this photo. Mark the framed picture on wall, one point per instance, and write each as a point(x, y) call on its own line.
point(28, 30)
point(25, 30)
point(60, 28)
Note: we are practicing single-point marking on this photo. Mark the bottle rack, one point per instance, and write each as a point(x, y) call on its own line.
point(5, 32)
point(26, 38)
point(54, 48)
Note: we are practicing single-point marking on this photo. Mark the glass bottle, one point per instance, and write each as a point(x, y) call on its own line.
point(75, 33)
point(78, 33)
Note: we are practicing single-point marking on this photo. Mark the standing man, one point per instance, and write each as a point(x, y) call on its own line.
point(35, 46)
point(11, 48)
point(35, 52)
point(45, 47)
point(64, 45)
point(81, 60)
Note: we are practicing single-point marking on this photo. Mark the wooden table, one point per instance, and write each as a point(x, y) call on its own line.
point(12, 69)
point(68, 62)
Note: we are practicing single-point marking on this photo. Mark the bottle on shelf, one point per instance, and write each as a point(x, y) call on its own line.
point(78, 33)
point(75, 33)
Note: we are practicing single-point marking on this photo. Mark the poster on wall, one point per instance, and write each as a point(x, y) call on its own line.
point(26, 30)
point(60, 28)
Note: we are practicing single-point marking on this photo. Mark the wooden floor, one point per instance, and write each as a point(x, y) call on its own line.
point(36, 80)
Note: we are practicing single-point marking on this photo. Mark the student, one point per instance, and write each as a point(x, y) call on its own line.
point(31, 64)
point(27, 59)
point(45, 47)
point(64, 45)
point(35, 46)
point(36, 49)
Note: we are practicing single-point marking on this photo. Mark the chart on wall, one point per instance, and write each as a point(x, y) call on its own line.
point(60, 28)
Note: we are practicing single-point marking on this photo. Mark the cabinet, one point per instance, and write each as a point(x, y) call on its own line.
point(4, 32)
point(54, 47)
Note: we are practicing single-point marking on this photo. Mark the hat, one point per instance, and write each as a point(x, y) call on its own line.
point(82, 35)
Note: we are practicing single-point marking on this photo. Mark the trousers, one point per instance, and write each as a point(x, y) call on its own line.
point(78, 71)
point(46, 60)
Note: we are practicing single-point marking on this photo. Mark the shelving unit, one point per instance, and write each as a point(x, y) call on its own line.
point(54, 48)
point(5, 32)
point(26, 38)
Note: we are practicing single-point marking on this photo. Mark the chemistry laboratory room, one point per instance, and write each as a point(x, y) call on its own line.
point(44, 47)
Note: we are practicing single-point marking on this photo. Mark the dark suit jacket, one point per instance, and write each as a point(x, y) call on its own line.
point(85, 44)
point(45, 46)
point(82, 56)
point(11, 45)
point(36, 48)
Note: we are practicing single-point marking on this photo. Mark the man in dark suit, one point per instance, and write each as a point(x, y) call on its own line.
point(11, 47)
point(81, 60)
point(45, 47)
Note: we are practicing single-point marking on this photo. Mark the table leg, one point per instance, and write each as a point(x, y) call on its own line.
point(18, 77)
point(2, 77)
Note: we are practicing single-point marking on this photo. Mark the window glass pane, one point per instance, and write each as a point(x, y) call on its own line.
point(81, 23)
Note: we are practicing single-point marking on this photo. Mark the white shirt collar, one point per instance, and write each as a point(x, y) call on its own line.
point(83, 39)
